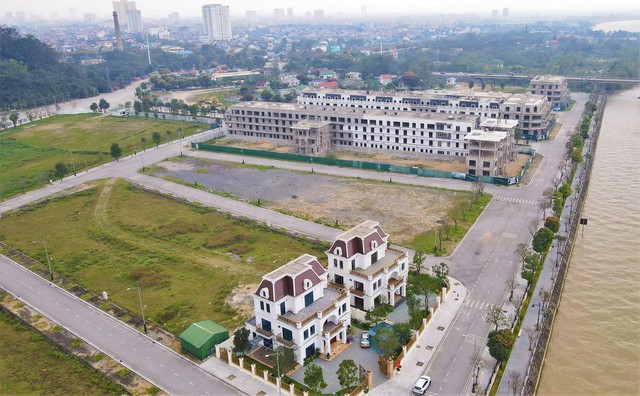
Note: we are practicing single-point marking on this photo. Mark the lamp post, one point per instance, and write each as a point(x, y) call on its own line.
point(181, 136)
point(275, 352)
point(46, 252)
point(538, 320)
point(144, 323)
point(242, 152)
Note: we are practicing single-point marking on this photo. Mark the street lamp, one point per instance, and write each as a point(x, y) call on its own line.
point(538, 320)
point(242, 152)
point(144, 323)
point(275, 352)
point(181, 136)
point(46, 252)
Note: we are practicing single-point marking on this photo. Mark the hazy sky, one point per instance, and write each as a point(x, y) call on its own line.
point(193, 7)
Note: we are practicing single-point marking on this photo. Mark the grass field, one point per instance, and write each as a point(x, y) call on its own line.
point(30, 152)
point(29, 364)
point(187, 260)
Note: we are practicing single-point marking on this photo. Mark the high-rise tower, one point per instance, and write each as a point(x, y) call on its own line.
point(217, 25)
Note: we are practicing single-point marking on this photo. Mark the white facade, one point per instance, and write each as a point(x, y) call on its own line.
point(129, 17)
point(294, 307)
point(217, 25)
point(555, 88)
point(360, 261)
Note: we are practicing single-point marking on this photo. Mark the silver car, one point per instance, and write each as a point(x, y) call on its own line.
point(365, 342)
point(421, 385)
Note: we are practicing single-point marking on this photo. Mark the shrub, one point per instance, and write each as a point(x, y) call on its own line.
point(552, 223)
point(542, 240)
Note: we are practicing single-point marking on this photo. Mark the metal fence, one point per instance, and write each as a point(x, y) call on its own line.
point(375, 166)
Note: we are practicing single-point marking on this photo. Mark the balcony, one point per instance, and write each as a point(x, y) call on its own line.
point(356, 292)
point(264, 332)
point(332, 328)
point(395, 282)
point(282, 341)
point(336, 286)
point(322, 306)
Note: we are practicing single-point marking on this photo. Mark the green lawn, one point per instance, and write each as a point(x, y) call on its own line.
point(29, 364)
point(186, 259)
point(30, 152)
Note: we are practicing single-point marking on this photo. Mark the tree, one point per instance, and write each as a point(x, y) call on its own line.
point(103, 104)
point(168, 135)
point(522, 250)
point(542, 240)
point(94, 107)
point(512, 284)
point(60, 170)
point(378, 313)
point(544, 205)
point(266, 95)
point(496, 316)
point(472, 84)
point(532, 335)
point(314, 378)
point(546, 298)
point(533, 227)
point(477, 363)
point(347, 373)
point(241, 343)
point(116, 151)
point(127, 105)
point(416, 314)
point(418, 259)
point(552, 223)
point(156, 137)
point(286, 359)
point(500, 343)
point(515, 381)
point(387, 341)
point(143, 140)
point(403, 331)
point(441, 270)
point(410, 79)
point(13, 117)
point(420, 285)
point(478, 186)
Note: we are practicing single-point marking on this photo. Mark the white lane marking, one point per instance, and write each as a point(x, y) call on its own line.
point(122, 342)
point(99, 328)
point(447, 374)
point(67, 309)
point(48, 298)
point(87, 321)
point(39, 293)
point(77, 316)
point(134, 349)
point(176, 374)
point(149, 358)
point(161, 366)
point(109, 334)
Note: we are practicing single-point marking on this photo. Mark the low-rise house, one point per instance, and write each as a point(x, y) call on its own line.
point(294, 307)
point(361, 261)
point(386, 79)
point(290, 80)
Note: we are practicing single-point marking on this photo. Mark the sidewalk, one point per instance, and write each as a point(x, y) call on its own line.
point(417, 360)
point(241, 379)
point(520, 357)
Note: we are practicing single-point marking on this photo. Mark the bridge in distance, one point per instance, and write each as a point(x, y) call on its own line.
point(489, 76)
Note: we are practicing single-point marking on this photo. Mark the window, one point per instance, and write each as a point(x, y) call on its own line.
point(287, 334)
point(308, 299)
point(306, 334)
point(266, 325)
point(312, 329)
point(306, 284)
point(486, 164)
point(264, 292)
point(283, 308)
point(374, 257)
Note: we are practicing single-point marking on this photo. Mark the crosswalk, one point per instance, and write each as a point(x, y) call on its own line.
point(477, 304)
point(474, 339)
point(530, 202)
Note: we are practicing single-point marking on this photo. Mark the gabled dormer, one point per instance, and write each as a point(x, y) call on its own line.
point(359, 247)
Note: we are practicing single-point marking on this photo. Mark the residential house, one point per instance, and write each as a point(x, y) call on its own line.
point(294, 307)
point(386, 79)
point(361, 261)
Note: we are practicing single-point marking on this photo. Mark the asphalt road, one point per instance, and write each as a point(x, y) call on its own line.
point(485, 259)
point(153, 361)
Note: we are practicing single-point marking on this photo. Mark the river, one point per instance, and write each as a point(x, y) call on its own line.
point(613, 26)
point(595, 344)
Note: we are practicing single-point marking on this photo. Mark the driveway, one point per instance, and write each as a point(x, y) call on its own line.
point(367, 357)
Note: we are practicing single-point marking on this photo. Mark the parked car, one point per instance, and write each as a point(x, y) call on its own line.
point(365, 342)
point(421, 385)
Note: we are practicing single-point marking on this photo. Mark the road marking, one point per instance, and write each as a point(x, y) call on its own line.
point(149, 358)
point(86, 321)
point(39, 293)
point(48, 298)
point(77, 316)
point(190, 383)
point(134, 349)
point(447, 374)
point(109, 334)
point(98, 327)
point(176, 374)
point(67, 309)
point(161, 365)
point(473, 339)
point(122, 342)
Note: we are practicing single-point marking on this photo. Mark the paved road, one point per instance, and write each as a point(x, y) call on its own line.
point(161, 366)
point(485, 259)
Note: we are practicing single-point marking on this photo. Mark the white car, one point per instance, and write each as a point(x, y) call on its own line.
point(421, 385)
point(364, 340)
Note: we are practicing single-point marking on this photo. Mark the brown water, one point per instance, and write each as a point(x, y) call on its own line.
point(595, 344)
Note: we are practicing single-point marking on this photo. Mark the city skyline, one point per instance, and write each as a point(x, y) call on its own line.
point(192, 8)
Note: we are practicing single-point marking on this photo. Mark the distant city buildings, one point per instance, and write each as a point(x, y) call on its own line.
point(318, 15)
point(278, 13)
point(174, 17)
point(130, 18)
point(217, 24)
point(252, 17)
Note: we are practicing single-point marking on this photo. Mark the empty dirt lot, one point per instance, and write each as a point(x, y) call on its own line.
point(403, 211)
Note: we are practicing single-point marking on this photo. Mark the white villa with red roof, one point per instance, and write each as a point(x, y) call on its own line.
point(360, 261)
point(295, 307)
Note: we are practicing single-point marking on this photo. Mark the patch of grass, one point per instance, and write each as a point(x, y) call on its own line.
point(428, 241)
point(76, 342)
point(123, 372)
point(154, 390)
point(56, 329)
point(221, 96)
point(121, 235)
point(98, 356)
point(34, 369)
point(30, 152)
